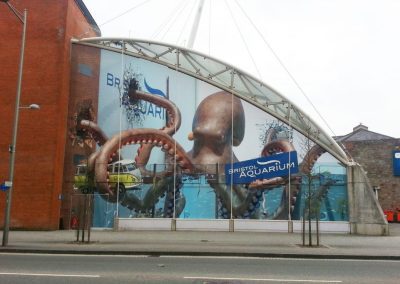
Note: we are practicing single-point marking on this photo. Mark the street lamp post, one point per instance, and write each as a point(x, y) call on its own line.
point(12, 148)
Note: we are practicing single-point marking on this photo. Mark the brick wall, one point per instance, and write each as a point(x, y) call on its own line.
point(42, 133)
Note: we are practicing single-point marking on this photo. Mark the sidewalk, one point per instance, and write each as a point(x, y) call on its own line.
point(207, 243)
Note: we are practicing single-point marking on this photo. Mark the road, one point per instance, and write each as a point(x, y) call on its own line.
point(41, 268)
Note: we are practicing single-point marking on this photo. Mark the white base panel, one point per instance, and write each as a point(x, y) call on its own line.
point(331, 227)
point(239, 225)
point(202, 225)
point(144, 224)
point(245, 225)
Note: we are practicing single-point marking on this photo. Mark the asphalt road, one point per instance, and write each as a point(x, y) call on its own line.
point(41, 268)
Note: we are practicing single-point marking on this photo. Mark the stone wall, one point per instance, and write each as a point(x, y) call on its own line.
point(376, 159)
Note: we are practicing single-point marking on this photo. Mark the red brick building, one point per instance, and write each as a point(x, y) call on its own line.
point(40, 148)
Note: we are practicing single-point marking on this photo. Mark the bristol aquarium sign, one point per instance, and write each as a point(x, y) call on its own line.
point(279, 165)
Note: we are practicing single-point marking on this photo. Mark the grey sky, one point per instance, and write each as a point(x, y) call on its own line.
point(343, 53)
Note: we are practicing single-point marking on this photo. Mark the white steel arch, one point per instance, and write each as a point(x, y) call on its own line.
point(226, 77)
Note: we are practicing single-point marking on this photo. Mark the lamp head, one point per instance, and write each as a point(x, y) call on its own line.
point(34, 106)
point(5, 1)
point(31, 106)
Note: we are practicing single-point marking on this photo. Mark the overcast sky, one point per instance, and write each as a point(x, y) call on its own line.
point(344, 54)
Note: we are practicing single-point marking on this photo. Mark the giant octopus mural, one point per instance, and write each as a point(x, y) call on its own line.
point(213, 137)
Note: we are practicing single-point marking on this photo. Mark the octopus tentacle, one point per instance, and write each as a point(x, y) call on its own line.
point(307, 165)
point(244, 209)
point(311, 158)
point(282, 212)
point(174, 198)
point(131, 201)
point(277, 146)
point(174, 115)
point(274, 147)
point(99, 136)
point(136, 136)
point(172, 125)
point(97, 133)
point(157, 191)
point(267, 183)
point(153, 195)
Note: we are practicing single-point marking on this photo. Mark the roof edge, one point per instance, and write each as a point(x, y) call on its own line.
point(86, 13)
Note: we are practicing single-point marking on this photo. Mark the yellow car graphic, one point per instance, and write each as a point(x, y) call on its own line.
point(122, 174)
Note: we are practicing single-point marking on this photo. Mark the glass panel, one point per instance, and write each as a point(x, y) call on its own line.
point(271, 203)
point(200, 199)
point(324, 194)
point(103, 212)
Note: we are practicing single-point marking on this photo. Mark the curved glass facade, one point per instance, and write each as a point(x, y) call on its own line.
point(165, 126)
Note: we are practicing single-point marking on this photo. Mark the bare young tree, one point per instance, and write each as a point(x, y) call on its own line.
point(316, 191)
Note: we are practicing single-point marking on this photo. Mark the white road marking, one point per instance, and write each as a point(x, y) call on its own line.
point(262, 279)
point(49, 275)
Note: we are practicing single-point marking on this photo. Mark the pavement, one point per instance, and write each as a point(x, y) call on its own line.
point(241, 244)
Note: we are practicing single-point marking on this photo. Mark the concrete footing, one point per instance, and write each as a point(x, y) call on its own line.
point(366, 215)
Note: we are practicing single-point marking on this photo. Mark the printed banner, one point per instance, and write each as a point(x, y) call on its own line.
point(279, 165)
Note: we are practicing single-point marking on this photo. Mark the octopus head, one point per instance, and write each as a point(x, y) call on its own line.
point(215, 117)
